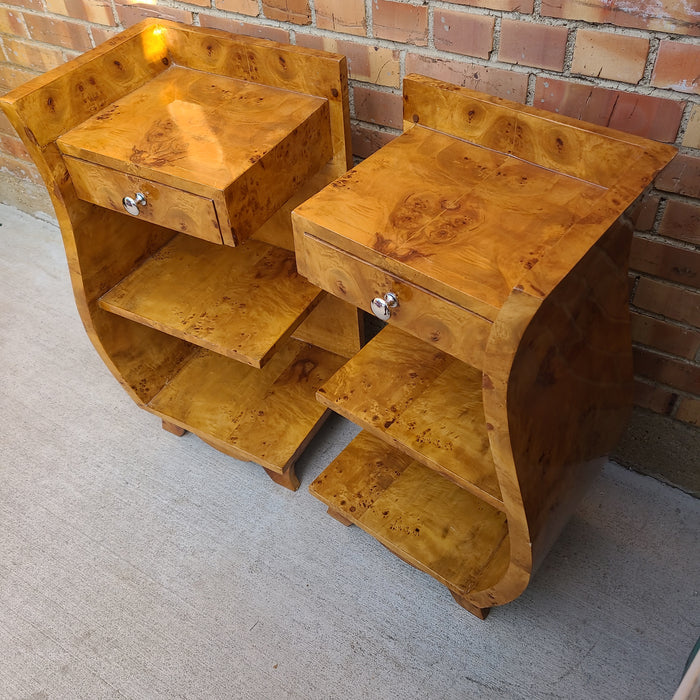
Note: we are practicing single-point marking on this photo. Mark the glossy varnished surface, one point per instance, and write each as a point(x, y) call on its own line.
point(432, 318)
point(421, 516)
point(152, 356)
point(241, 302)
point(518, 216)
point(424, 402)
point(247, 146)
point(456, 218)
point(263, 415)
point(167, 206)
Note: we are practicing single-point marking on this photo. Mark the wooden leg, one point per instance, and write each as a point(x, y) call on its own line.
point(174, 429)
point(481, 613)
point(340, 518)
point(287, 478)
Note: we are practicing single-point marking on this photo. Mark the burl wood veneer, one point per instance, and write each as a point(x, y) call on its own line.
point(174, 156)
point(504, 374)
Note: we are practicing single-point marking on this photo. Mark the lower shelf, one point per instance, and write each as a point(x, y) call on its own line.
point(424, 518)
point(263, 415)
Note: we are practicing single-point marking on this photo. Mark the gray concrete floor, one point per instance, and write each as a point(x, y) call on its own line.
point(135, 564)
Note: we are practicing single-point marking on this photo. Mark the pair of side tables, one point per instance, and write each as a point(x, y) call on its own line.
point(220, 253)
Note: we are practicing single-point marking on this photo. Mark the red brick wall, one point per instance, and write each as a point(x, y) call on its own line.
point(632, 64)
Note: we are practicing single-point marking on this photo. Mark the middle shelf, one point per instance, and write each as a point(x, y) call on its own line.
point(241, 302)
point(424, 402)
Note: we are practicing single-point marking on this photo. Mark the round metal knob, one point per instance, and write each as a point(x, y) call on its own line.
point(132, 204)
point(381, 308)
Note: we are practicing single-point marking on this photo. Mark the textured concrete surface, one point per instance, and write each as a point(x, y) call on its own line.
point(135, 564)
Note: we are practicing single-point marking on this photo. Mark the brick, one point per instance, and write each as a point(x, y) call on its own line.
point(20, 169)
point(677, 67)
point(11, 23)
point(101, 34)
point(689, 411)
point(665, 370)
point(530, 44)
point(691, 138)
point(676, 16)
point(681, 220)
point(23, 53)
point(27, 4)
point(294, 11)
point(524, 6)
point(346, 16)
point(665, 336)
point(681, 175)
point(611, 56)
point(242, 7)
point(369, 64)
point(377, 107)
point(666, 261)
point(59, 32)
point(14, 147)
point(96, 11)
point(5, 125)
point(643, 214)
point(398, 21)
point(131, 13)
point(495, 81)
point(672, 302)
point(653, 117)
point(12, 76)
point(366, 140)
point(235, 27)
point(461, 32)
point(655, 398)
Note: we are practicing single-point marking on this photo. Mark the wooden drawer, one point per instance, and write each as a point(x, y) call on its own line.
point(166, 206)
point(422, 313)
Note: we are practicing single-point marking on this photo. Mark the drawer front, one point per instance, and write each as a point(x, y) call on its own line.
point(425, 315)
point(166, 206)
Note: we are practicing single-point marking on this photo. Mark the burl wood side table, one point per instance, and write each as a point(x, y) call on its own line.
point(174, 156)
point(493, 240)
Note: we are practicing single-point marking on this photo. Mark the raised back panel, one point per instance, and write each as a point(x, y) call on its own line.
point(54, 103)
point(596, 154)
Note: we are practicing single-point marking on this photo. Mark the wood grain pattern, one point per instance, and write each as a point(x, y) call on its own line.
point(182, 211)
point(333, 325)
point(240, 302)
point(62, 98)
point(449, 214)
point(265, 62)
point(406, 506)
point(103, 247)
point(434, 319)
point(245, 145)
point(517, 215)
point(594, 153)
point(265, 415)
point(421, 401)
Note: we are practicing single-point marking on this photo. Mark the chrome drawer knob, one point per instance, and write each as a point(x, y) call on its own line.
point(132, 204)
point(381, 308)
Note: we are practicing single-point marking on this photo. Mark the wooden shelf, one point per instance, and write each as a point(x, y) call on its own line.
point(266, 416)
point(241, 302)
point(424, 402)
point(427, 520)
